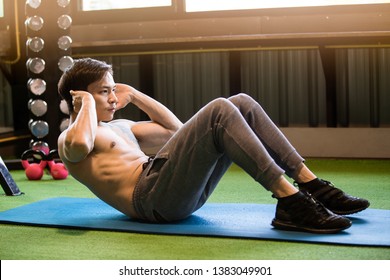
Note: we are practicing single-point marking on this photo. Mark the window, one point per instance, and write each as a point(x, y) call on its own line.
point(219, 5)
point(1, 8)
point(96, 5)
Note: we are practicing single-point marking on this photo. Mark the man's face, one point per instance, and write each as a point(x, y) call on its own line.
point(103, 92)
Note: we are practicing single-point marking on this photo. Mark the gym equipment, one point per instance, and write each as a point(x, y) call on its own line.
point(63, 3)
point(64, 124)
point(40, 145)
point(64, 22)
point(35, 44)
point(36, 86)
point(56, 24)
point(235, 220)
point(40, 159)
point(64, 42)
point(38, 107)
point(34, 170)
point(36, 65)
point(57, 170)
point(7, 182)
point(64, 107)
point(64, 62)
point(34, 3)
point(39, 128)
point(35, 23)
point(42, 79)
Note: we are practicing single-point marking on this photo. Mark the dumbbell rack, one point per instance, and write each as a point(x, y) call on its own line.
point(48, 49)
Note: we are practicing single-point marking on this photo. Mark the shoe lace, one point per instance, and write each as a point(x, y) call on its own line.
point(330, 192)
point(313, 203)
point(318, 214)
point(327, 192)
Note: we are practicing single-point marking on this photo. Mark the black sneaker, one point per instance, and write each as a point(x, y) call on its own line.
point(333, 198)
point(300, 212)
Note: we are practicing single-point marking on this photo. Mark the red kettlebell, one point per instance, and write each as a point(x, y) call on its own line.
point(34, 171)
point(57, 170)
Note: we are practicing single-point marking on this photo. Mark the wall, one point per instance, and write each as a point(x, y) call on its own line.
point(314, 68)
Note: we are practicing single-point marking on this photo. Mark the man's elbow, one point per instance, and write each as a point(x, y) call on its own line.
point(176, 127)
point(171, 132)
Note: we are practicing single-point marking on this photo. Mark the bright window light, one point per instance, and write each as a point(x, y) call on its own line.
point(223, 5)
point(1, 8)
point(94, 5)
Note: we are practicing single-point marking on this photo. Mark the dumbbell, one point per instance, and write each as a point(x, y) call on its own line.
point(57, 170)
point(34, 171)
point(40, 145)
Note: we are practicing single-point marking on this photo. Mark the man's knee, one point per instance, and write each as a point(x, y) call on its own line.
point(244, 102)
point(221, 102)
point(241, 98)
point(220, 107)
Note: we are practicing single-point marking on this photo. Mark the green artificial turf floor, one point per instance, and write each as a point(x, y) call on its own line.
point(365, 178)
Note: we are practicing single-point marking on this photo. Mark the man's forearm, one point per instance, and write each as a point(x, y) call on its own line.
point(80, 136)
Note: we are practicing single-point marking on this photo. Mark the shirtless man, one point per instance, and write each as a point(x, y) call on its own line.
point(107, 155)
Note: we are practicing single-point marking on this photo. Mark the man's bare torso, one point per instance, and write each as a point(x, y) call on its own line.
point(113, 167)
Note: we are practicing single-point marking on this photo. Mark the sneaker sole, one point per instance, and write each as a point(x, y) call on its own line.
point(278, 224)
point(350, 211)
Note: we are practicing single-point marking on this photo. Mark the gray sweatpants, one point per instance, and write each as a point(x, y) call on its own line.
point(184, 173)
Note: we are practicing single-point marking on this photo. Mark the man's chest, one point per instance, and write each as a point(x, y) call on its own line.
point(115, 137)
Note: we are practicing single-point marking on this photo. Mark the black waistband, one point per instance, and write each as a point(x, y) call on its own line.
point(145, 164)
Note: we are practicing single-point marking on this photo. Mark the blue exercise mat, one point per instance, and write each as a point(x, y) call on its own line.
point(370, 227)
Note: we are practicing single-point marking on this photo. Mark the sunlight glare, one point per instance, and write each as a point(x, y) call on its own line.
point(222, 5)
